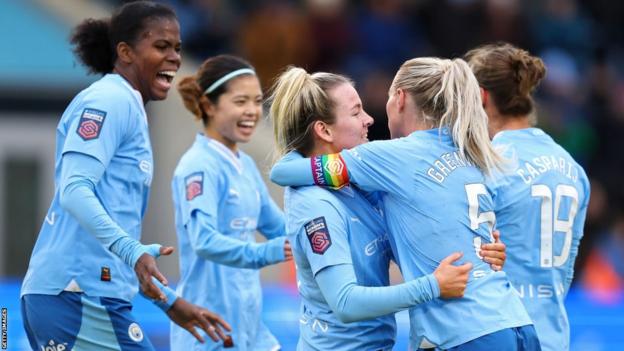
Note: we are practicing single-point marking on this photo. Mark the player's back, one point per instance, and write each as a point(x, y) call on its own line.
point(436, 203)
point(540, 209)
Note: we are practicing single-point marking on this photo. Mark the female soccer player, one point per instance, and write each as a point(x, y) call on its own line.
point(339, 238)
point(540, 205)
point(221, 201)
point(435, 201)
point(77, 291)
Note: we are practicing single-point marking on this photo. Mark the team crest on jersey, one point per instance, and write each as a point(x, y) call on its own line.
point(318, 235)
point(135, 333)
point(194, 185)
point(90, 124)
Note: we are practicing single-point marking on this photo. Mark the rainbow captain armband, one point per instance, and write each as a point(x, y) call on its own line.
point(330, 171)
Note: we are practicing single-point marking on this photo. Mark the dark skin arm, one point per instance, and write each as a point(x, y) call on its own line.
point(146, 268)
point(190, 316)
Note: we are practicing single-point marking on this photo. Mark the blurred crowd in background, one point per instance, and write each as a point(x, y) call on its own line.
point(580, 102)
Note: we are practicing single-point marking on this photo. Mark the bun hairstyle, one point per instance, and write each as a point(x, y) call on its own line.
point(95, 40)
point(209, 83)
point(297, 100)
point(509, 74)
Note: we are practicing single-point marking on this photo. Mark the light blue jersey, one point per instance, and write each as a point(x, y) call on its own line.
point(540, 209)
point(355, 235)
point(107, 122)
point(436, 203)
point(220, 201)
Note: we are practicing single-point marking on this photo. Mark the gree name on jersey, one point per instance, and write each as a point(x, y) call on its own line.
point(540, 291)
point(542, 164)
point(446, 164)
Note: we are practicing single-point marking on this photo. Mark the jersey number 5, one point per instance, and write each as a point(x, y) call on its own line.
point(551, 223)
point(472, 193)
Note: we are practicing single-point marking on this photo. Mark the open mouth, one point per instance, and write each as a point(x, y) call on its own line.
point(246, 126)
point(166, 76)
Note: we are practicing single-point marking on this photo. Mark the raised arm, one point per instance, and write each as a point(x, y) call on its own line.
point(373, 166)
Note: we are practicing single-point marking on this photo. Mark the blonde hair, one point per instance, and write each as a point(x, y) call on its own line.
point(297, 100)
point(448, 94)
point(509, 74)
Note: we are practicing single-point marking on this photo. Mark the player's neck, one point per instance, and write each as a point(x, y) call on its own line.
point(322, 148)
point(500, 123)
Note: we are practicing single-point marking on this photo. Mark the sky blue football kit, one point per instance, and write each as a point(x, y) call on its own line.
point(220, 201)
point(342, 253)
point(436, 202)
point(540, 207)
point(89, 242)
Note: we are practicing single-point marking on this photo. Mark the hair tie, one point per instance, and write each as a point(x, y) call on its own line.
point(227, 77)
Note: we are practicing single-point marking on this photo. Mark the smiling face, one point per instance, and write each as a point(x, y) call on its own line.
point(155, 59)
point(234, 117)
point(350, 128)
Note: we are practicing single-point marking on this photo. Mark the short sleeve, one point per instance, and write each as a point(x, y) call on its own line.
point(377, 166)
point(323, 237)
point(98, 125)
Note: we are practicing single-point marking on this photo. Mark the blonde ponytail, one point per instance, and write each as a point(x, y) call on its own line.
point(448, 94)
point(297, 100)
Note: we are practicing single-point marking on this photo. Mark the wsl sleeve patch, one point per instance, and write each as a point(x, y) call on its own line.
point(90, 124)
point(194, 185)
point(318, 235)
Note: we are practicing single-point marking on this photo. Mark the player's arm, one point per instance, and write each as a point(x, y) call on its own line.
point(351, 302)
point(324, 241)
point(190, 316)
point(79, 175)
point(372, 166)
point(199, 210)
point(97, 127)
point(292, 170)
point(210, 244)
point(324, 170)
point(271, 221)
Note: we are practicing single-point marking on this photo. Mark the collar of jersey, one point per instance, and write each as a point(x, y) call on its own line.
point(441, 133)
point(226, 153)
point(520, 132)
point(135, 93)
